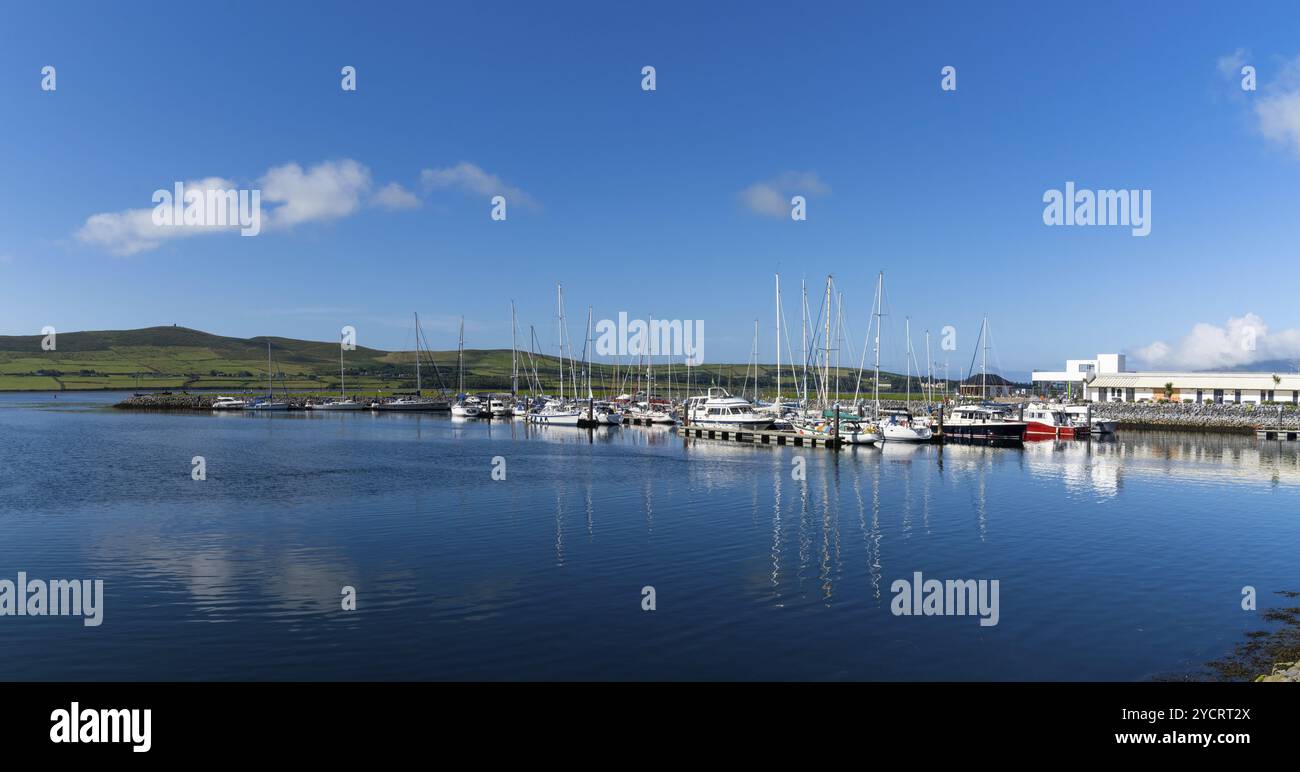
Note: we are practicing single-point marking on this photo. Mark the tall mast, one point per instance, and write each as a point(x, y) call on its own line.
point(984, 362)
point(460, 360)
point(343, 386)
point(929, 372)
point(839, 340)
point(907, 328)
point(778, 340)
point(559, 323)
point(803, 346)
point(826, 365)
point(419, 387)
point(270, 390)
point(514, 352)
point(880, 286)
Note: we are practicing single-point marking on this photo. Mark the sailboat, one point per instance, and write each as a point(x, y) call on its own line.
point(556, 412)
point(269, 403)
point(344, 403)
point(463, 408)
point(417, 402)
point(902, 426)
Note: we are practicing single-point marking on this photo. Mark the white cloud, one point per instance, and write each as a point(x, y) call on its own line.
point(1241, 342)
point(470, 178)
point(133, 230)
point(1231, 64)
point(327, 191)
point(1278, 107)
point(394, 196)
point(772, 197)
point(290, 196)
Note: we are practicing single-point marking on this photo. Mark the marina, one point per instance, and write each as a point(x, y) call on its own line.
point(448, 560)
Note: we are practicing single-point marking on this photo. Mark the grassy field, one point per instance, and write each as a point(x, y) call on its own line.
point(181, 358)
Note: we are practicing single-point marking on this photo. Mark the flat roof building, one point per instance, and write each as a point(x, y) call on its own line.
point(1105, 379)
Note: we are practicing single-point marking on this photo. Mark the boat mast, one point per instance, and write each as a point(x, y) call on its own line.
point(514, 352)
point(460, 361)
point(778, 341)
point(826, 365)
point(343, 387)
point(907, 329)
point(559, 323)
point(270, 389)
point(419, 387)
point(880, 286)
point(803, 346)
point(929, 372)
point(984, 362)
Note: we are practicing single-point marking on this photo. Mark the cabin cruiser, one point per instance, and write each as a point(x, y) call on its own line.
point(347, 404)
point(556, 413)
point(499, 408)
point(229, 403)
point(1080, 413)
point(720, 409)
point(902, 426)
point(267, 404)
point(654, 411)
point(983, 423)
point(1047, 421)
point(470, 407)
point(851, 432)
point(411, 403)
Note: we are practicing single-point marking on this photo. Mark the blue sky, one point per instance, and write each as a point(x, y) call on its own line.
point(636, 197)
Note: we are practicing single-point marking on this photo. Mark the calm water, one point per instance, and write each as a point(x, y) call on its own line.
point(1116, 560)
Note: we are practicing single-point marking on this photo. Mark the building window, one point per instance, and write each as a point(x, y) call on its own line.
point(1236, 397)
point(1218, 396)
point(1199, 397)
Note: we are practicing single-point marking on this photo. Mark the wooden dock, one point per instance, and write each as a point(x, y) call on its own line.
point(1282, 435)
point(761, 437)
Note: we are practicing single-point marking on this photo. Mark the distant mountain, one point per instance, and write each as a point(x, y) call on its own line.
point(180, 357)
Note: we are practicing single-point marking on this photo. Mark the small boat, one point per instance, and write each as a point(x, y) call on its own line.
point(268, 403)
point(411, 404)
point(465, 409)
point(346, 404)
point(1044, 422)
point(902, 426)
point(556, 413)
point(984, 424)
point(718, 408)
point(1080, 413)
point(229, 403)
point(499, 408)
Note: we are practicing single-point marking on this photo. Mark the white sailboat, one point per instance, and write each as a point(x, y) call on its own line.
point(902, 426)
point(417, 401)
point(556, 412)
point(343, 403)
point(269, 403)
point(463, 408)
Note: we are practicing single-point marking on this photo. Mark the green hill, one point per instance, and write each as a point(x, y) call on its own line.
point(183, 358)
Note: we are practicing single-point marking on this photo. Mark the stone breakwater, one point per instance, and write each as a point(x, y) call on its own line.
point(167, 402)
point(162, 401)
point(1224, 418)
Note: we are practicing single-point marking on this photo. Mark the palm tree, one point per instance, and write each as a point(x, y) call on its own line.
point(1169, 391)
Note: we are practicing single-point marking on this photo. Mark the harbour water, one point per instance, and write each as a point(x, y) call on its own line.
point(1117, 560)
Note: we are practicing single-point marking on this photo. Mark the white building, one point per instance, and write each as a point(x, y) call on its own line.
point(1105, 379)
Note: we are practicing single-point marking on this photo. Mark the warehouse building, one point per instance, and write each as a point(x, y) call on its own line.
point(1105, 379)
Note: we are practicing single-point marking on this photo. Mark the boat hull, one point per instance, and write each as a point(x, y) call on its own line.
point(991, 433)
